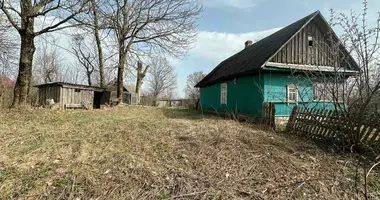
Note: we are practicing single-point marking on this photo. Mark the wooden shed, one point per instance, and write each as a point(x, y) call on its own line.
point(71, 96)
point(129, 98)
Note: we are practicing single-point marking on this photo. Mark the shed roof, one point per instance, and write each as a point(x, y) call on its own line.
point(112, 85)
point(71, 85)
point(254, 57)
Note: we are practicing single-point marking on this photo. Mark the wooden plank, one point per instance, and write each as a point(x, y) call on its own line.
point(315, 45)
point(309, 50)
point(335, 125)
point(292, 59)
point(299, 118)
point(363, 130)
point(314, 123)
point(374, 136)
point(295, 120)
point(311, 122)
point(290, 126)
point(304, 121)
point(366, 135)
point(326, 130)
point(332, 125)
point(69, 96)
point(289, 52)
point(374, 125)
point(322, 123)
point(299, 48)
point(308, 121)
point(279, 54)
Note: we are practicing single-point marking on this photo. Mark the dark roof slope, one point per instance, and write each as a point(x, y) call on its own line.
point(252, 58)
point(112, 85)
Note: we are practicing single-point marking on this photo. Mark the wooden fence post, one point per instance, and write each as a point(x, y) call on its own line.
point(269, 113)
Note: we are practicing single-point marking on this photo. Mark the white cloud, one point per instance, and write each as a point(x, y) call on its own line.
point(238, 4)
point(218, 46)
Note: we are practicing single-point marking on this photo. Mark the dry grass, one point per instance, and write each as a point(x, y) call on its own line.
point(150, 153)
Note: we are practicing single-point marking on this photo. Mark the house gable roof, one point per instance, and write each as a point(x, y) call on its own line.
point(254, 57)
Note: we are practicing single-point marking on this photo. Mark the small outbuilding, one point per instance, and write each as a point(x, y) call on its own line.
point(129, 97)
point(72, 96)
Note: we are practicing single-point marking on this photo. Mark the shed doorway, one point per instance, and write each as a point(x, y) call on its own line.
point(101, 98)
point(97, 99)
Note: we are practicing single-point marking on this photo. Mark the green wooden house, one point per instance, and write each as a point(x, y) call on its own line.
point(277, 69)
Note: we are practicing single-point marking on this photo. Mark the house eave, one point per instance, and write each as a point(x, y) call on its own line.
point(308, 68)
point(227, 78)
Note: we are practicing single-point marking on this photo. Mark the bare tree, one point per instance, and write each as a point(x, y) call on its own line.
point(47, 63)
point(8, 48)
point(162, 79)
point(359, 92)
point(85, 57)
point(141, 74)
point(363, 41)
point(192, 79)
point(58, 13)
point(94, 24)
point(166, 26)
point(94, 12)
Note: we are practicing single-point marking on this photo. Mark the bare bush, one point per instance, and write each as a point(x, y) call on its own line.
point(191, 91)
point(86, 58)
point(162, 79)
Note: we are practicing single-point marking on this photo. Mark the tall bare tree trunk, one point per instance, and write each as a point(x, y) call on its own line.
point(120, 72)
point(25, 67)
point(98, 43)
point(140, 76)
point(89, 78)
point(100, 58)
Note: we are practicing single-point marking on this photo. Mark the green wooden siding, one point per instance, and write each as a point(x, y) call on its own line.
point(275, 91)
point(244, 97)
point(249, 93)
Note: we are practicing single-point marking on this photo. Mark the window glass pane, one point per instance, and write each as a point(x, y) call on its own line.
point(292, 93)
point(223, 93)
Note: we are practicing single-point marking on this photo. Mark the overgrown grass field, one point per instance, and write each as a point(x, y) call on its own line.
point(152, 153)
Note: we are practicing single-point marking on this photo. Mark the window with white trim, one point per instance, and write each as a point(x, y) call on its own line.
point(223, 94)
point(292, 93)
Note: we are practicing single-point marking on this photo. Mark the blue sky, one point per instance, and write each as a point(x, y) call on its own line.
point(226, 24)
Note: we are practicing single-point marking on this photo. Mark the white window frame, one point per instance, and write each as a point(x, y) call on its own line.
point(288, 88)
point(223, 94)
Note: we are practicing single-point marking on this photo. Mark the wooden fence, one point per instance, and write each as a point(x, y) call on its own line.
point(329, 125)
point(269, 113)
